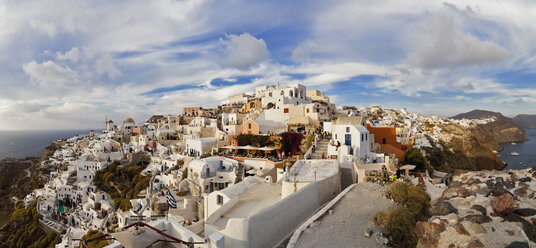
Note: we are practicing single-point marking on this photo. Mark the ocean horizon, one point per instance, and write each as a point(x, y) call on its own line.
point(26, 143)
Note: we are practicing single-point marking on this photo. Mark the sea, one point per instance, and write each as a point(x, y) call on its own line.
point(21, 144)
point(526, 150)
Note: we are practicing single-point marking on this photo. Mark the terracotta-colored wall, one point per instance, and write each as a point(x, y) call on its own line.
point(390, 149)
point(389, 133)
point(390, 146)
point(244, 129)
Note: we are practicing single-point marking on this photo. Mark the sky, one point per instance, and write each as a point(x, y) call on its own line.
point(71, 64)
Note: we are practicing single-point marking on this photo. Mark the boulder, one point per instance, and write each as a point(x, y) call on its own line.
point(452, 192)
point(482, 190)
point(428, 233)
point(528, 228)
point(442, 208)
point(504, 204)
point(518, 244)
point(525, 212)
point(475, 244)
point(498, 192)
point(477, 218)
point(510, 184)
point(490, 184)
point(476, 228)
point(521, 191)
point(479, 208)
point(476, 181)
point(525, 179)
point(460, 229)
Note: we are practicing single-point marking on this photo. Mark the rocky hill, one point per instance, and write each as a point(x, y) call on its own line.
point(525, 121)
point(476, 114)
point(19, 177)
point(502, 130)
point(473, 146)
point(483, 209)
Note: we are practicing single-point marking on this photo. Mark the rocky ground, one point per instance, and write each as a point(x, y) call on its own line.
point(483, 209)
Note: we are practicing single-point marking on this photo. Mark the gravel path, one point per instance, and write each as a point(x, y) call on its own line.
point(350, 219)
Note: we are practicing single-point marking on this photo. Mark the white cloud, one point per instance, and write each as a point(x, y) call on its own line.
point(106, 65)
point(43, 26)
point(141, 47)
point(444, 45)
point(243, 51)
point(74, 55)
point(50, 75)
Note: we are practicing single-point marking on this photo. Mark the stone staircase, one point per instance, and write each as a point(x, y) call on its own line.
point(321, 147)
point(240, 172)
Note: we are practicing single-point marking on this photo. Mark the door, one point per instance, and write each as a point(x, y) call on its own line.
point(348, 139)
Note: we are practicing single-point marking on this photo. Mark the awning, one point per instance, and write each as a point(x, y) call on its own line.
point(266, 149)
point(231, 147)
point(249, 148)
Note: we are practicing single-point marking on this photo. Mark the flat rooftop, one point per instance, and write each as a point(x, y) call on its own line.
point(251, 202)
point(312, 170)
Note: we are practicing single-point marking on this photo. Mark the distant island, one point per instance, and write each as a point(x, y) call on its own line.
point(525, 121)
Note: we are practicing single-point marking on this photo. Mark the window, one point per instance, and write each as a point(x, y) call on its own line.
point(282, 93)
point(270, 94)
point(307, 110)
point(362, 137)
point(366, 136)
point(220, 200)
point(285, 110)
point(383, 141)
point(249, 125)
point(347, 129)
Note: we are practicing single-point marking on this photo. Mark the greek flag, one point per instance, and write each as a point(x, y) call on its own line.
point(171, 200)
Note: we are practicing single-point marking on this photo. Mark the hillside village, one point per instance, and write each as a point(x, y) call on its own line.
point(248, 173)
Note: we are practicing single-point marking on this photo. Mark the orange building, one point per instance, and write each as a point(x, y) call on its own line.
point(249, 127)
point(386, 137)
point(251, 105)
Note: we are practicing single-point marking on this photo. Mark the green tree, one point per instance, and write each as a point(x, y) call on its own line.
point(413, 156)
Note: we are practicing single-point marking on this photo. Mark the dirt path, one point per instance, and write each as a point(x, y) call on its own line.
point(350, 219)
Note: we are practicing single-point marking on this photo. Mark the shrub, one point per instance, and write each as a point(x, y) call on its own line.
point(23, 230)
point(95, 243)
point(122, 183)
point(412, 197)
point(254, 140)
point(400, 222)
point(309, 141)
point(290, 142)
point(206, 155)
